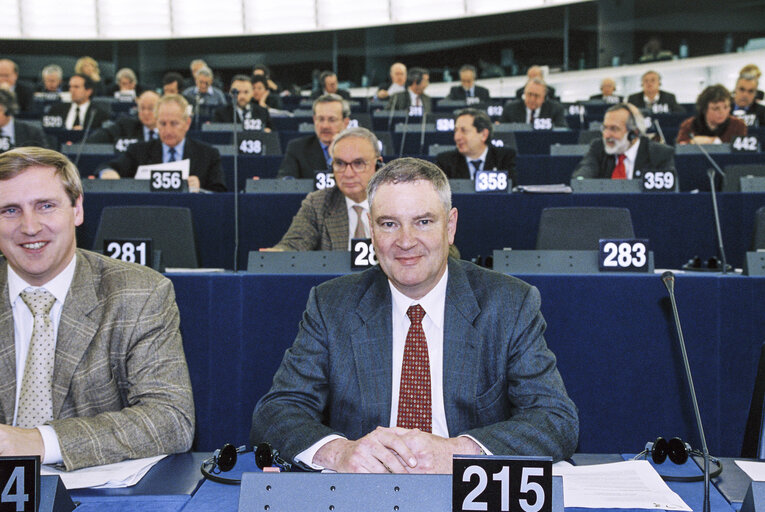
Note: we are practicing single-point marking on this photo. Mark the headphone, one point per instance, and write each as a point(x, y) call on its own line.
point(678, 452)
point(379, 164)
point(8, 100)
point(633, 128)
point(224, 459)
point(713, 264)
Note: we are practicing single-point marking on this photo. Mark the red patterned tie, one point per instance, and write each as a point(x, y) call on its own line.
point(414, 401)
point(620, 173)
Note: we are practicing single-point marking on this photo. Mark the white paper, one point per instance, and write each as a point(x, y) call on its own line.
point(120, 474)
point(629, 484)
point(754, 470)
point(144, 171)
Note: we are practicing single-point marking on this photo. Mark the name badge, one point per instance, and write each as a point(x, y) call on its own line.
point(660, 108)
point(623, 255)
point(253, 124)
point(444, 125)
point(543, 123)
point(495, 110)
point(251, 147)
point(577, 110)
point(165, 181)
point(492, 181)
point(52, 122)
point(415, 111)
point(501, 483)
point(658, 181)
point(20, 483)
point(353, 123)
point(362, 254)
point(130, 250)
point(5, 143)
point(122, 144)
point(748, 143)
point(323, 179)
point(472, 100)
point(498, 143)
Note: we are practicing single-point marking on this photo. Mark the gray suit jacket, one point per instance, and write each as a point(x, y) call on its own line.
point(321, 224)
point(501, 385)
point(121, 386)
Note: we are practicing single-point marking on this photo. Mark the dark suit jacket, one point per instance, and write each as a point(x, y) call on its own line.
point(302, 157)
point(340, 92)
point(121, 386)
point(401, 101)
point(455, 167)
point(500, 382)
point(25, 95)
point(29, 134)
point(99, 116)
point(514, 111)
point(321, 224)
point(458, 93)
point(226, 114)
point(664, 98)
point(650, 156)
point(204, 161)
point(124, 127)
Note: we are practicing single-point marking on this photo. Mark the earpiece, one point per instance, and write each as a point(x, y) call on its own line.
point(222, 460)
point(678, 452)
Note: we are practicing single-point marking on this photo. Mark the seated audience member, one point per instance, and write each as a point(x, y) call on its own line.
point(652, 51)
point(204, 93)
point(475, 152)
point(197, 64)
point(306, 155)
point(654, 99)
point(535, 108)
point(365, 389)
point(753, 70)
point(248, 113)
point(172, 83)
point(173, 121)
point(88, 66)
point(396, 83)
point(99, 373)
point(328, 84)
point(328, 219)
point(713, 124)
point(468, 89)
point(127, 84)
point(52, 76)
point(744, 105)
point(9, 80)
point(624, 152)
point(417, 80)
point(15, 133)
point(80, 113)
point(270, 97)
point(536, 72)
point(607, 90)
point(262, 96)
point(129, 129)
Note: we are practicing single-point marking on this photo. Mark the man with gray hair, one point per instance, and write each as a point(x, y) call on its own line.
point(328, 219)
point(204, 92)
point(535, 108)
point(306, 155)
point(52, 76)
point(398, 368)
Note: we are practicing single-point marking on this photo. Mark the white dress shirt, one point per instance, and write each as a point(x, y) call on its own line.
point(482, 158)
point(69, 122)
point(353, 218)
point(9, 131)
point(23, 323)
point(629, 159)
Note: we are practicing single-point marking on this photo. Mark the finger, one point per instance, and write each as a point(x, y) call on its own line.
point(395, 442)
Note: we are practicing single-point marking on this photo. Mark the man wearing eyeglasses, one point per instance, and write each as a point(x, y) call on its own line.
point(306, 155)
point(328, 219)
point(744, 106)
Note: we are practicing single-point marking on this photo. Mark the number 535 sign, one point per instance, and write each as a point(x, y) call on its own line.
point(502, 484)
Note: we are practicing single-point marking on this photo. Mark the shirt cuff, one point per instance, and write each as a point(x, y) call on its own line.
point(306, 456)
point(485, 450)
point(51, 445)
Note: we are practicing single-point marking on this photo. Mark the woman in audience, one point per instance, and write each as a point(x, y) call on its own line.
point(713, 124)
point(88, 66)
point(753, 70)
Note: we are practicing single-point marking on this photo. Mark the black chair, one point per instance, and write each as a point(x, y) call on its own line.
point(758, 238)
point(734, 173)
point(580, 228)
point(754, 434)
point(170, 229)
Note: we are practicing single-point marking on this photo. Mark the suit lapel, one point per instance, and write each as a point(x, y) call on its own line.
point(372, 352)
point(642, 160)
point(337, 221)
point(155, 152)
point(76, 329)
point(7, 351)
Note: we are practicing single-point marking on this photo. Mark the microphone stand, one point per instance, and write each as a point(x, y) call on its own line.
point(403, 135)
point(84, 135)
point(422, 129)
point(234, 94)
point(711, 175)
point(669, 281)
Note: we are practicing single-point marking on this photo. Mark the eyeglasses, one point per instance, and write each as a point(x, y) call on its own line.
point(357, 165)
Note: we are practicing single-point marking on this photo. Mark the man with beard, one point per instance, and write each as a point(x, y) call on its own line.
point(624, 152)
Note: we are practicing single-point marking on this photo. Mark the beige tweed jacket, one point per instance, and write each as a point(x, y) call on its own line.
point(321, 224)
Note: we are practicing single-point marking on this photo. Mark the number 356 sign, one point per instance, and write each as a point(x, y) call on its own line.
point(502, 484)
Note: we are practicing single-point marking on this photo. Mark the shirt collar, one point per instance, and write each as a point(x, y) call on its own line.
point(178, 150)
point(631, 153)
point(433, 303)
point(350, 203)
point(58, 286)
point(8, 129)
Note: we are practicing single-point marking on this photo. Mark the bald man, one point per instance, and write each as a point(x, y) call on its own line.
point(539, 73)
point(607, 92)
point(396, 83)
point(127, 130)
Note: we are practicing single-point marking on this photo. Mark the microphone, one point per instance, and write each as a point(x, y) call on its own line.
point(234, 121)
point(403, 135)
point(422, 129)
point(669, 281)
point(715, 209)
point(197, 102)
point(392, 111)
point(659, 131)
point(84, 135)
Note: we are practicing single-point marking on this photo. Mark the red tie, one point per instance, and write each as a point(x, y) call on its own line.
point(620, 173)
point(414, 401)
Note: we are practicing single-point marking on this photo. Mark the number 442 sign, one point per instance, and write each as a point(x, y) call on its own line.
point(502, 484)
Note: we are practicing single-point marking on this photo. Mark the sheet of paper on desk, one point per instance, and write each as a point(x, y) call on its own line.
point(754, 470)
point(144, 171)
point(629, 484)
point(120, 474)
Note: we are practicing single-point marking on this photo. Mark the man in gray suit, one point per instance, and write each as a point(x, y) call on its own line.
point(119, 387)
point(344, 397)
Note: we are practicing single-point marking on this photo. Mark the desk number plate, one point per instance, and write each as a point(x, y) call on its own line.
point(659, 181)
point(623, 255)
point(323, 179)
point(20, 484)
point(506, 484)
point(133, 250)
point(362, 254)
point(166, 181)
point(491, 181)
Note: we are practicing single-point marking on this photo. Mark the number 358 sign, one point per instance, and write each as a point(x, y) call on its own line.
point(502, 484)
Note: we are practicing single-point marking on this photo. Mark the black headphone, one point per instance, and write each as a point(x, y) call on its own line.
point(713, 264)
point(379, 164)
point(678, 452)
point(224, 459)
point(632, 124)
point(8, 100)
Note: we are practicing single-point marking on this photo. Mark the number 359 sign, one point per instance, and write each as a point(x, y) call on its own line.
point(502, 484)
